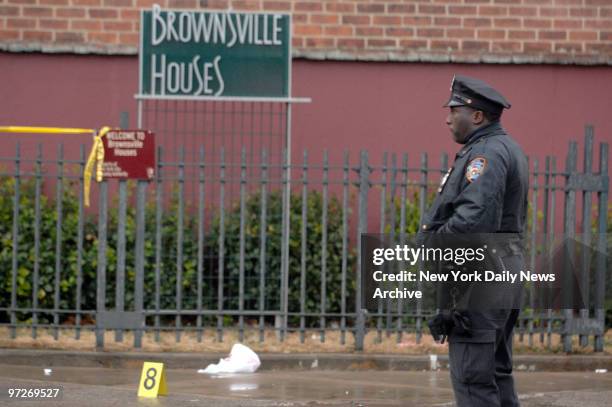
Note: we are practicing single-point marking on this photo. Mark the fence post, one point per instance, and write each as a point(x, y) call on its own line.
point(101, 271)
point(303, 234)
point(392, 220)
point(324, 244)
point(402, 237)
point(139, 257)
point(124, 120)
point(569, 229)
point(533, 247)
point(201, 212)
point(422, 209)
point(221, 242)
point(241, 288)
point(602, 247)
point(180, 224)
point(16, 203)
point(585, 239)
point(364, 186)
point(383, 195)
point(121, 248)
point(35, 277)
point(345, 192)
point(262, 241)
point(58, 239)
point(80, 231)
point(284, 280)
point(159, 202)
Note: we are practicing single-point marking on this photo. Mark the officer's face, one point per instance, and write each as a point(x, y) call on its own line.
point(460, 121)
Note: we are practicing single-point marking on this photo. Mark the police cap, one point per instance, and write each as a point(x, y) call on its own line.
point(472, 92)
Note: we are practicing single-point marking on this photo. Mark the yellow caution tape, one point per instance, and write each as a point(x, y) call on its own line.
point(46, 130)
point(96, 156)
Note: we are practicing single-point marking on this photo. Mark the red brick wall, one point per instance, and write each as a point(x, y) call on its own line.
point(522, 31)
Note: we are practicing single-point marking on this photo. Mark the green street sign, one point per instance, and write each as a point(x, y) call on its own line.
point(214, 54)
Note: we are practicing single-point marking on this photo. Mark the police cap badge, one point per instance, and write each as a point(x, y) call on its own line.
point(472, 92)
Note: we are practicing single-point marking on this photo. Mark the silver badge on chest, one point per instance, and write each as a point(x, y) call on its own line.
point(444, 179)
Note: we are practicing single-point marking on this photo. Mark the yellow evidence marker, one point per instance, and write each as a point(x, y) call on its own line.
point(152, 380)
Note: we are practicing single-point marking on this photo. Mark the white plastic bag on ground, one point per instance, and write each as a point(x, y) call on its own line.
point(240, 360)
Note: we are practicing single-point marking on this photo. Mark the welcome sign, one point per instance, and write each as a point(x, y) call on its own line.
point(214, 54)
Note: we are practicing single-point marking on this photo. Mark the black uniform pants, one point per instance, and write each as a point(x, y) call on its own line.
point(481, 363)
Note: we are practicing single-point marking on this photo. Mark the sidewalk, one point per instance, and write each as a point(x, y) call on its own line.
point(291, 361)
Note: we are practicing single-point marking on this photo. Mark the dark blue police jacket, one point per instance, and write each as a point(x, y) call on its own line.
point(485, 191)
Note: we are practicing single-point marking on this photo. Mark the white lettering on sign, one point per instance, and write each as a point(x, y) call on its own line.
point(186, 26)
point(192, 78)
point(120, 152)
point(125, 144)
point(173, 71)
point(112, 169)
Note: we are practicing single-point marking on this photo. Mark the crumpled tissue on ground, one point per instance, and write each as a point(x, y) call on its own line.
point(240, 360)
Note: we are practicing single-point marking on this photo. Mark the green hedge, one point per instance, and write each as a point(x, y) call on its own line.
point(168, 267)
point(47, 257)
point(313, 252)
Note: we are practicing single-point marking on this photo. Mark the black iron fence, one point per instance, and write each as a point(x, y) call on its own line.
point(210, 244)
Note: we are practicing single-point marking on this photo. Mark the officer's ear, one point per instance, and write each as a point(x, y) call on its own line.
point(478, 117)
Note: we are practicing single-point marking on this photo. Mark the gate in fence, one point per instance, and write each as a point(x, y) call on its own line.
point(217, 244)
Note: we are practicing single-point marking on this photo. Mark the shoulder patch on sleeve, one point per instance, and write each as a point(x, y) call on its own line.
point(475, 168)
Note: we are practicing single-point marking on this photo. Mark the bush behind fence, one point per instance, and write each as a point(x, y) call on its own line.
point(46, 263)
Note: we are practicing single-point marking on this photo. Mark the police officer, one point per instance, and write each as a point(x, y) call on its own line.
point(485, 191)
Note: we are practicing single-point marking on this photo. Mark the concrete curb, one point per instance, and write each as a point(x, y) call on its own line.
point(280, 361)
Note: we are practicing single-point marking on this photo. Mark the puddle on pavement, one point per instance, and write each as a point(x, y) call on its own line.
point(243, 386)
